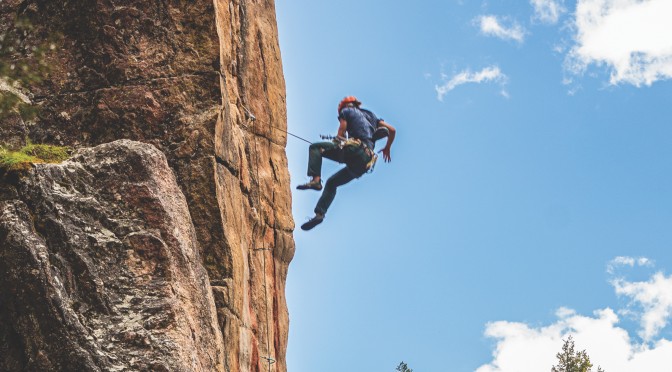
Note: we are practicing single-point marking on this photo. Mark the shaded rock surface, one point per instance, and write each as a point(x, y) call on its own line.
point(100, 270)
point(187, 77)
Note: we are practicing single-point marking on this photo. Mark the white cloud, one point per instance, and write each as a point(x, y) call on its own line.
point(487, 75)
point(633, 38)
point(655, 298)
point(627, 261)
point(547, 11)
point(490, 25)
point(524, 348)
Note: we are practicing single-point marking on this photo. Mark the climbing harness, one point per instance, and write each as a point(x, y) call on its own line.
point(353, 144)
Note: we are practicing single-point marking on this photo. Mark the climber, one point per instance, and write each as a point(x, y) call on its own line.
point(362, 127)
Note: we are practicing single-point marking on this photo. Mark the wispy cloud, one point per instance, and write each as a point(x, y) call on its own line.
point(491, 25)
point(525, 348)
point(547, 11)
point(627, 261)
point(490, 74)
point(655, 299)
point(630, 37)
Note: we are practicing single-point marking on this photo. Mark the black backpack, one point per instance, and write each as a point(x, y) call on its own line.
point(378, 132)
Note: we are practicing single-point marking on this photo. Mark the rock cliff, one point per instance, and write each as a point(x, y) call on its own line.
point(201, 81)
point(100, 268)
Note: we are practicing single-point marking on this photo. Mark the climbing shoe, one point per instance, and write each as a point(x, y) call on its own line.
point(312, 222)
point(313, 185)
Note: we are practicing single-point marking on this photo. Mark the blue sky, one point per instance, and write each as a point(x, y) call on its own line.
point(528, 197)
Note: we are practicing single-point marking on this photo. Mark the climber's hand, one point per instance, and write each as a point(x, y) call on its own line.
point(386, 154)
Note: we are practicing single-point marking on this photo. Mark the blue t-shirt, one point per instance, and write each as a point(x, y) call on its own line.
point(361, 124)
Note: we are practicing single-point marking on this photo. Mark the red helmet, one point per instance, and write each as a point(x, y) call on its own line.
point(346, 100)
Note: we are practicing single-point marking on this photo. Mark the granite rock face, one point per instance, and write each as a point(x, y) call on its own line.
point(202, 82)
point(100, 269)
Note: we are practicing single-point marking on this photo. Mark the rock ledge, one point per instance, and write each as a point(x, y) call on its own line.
point(100, 268)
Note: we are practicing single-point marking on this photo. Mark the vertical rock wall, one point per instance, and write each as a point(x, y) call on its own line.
point(188, 77)
point(249, 144)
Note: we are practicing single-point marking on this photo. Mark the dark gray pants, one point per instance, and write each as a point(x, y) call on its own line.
point(355, 160)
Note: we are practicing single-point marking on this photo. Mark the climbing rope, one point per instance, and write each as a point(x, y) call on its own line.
point(294, 135)
point(253, 119)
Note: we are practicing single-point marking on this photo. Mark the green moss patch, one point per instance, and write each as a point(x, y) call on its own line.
point(32, 154)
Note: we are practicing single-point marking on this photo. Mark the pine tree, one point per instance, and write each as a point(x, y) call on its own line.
point(403, 367)
point(569, 360)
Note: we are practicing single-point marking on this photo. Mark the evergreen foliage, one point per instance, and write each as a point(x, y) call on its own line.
point(22, 64)
point(403, 367)
point(569, 360)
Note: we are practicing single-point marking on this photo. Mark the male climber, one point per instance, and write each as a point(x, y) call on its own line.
point(356, 152)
